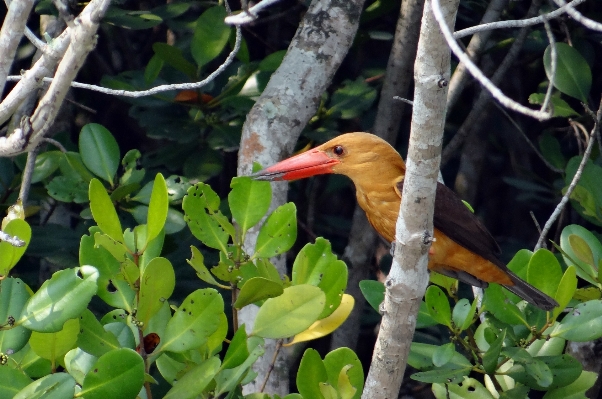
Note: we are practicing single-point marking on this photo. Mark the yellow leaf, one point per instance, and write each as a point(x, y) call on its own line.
point(328, 324)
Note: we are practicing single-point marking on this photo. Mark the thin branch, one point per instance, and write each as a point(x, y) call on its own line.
point(577, 16)
point(517, 23)
point(12, 240)
point(56, 144)
point(554, 64)
point(249, 15)
point(565, 198)
point(158, 89)
point(267, 375)
point(27, 175)
point(13, 28)
point(531, 145)
point(478, 74)
point(405, 100)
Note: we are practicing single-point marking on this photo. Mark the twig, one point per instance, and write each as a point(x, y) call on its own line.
point(592, 138)
point(478, 74)
point(11, 33)
point(517, 23)
point(250, 14)
point(537, 226)
point(56, 144)
point(14, 241)
point(531, 145)
point(27, 175)
point(577, 16)
point(267, 374)
point(554, 64)
point(405, 100)
point(158, 89)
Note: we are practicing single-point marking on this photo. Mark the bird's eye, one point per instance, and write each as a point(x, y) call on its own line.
point(338, 150)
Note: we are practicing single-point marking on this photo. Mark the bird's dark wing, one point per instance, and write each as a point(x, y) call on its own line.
point(456, 221)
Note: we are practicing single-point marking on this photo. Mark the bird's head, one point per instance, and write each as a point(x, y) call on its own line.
point(363, 157)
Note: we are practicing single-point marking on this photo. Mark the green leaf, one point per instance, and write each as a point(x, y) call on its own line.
point(279, 232)
point(311, 373)
point(546, 372)
point(443, 354)
point(573, 75)
point(13, 296)
point(257, 289)
point(442, 375)
point(272, 61)
point(12, 381)
point(173, 56)
point(9, 254)
point(374, 292)
point(104, 212)
point(544, 271)
point(195, 320)
point(227, 380)
point(582, 324)
point(45, 165)
point(561, 109)
point(197, 261)
point(116, 374)
point(496, 301)
point(59, 299)
point(131, 19)
point(157, 208)
point(353, 99)
point(68, 189)
point(237, 351)
point(290, 313)
point(317, 265)
point(469, 388)
point(575, 235)
point(53, 346)
point(576, 390)
point(78, 363)
point(491, 357)
point(249, 201)
point(156, 286)
point(99, 151)
point(72, 166)
point(438, 305)
point(210, 35)
point(53, 386)
point(463, 313)
point(93, 338)
point(566, 290)
point(343, 361)
point(587, 196)
point(200, 205)
point(195, 381)
point(421, 357)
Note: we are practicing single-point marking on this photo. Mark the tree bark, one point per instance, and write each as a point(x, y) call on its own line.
point(275, 122)
point(407, 281)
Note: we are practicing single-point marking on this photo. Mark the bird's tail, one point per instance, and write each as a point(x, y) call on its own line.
point(530, 293)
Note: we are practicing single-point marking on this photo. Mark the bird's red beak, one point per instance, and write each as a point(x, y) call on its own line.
point(310, 163)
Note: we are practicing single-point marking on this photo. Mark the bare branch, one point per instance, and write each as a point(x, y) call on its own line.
point(250, 15)
point(158, 89)
point(11, 33)
point(27, 175)
point(14, 241)
point(577, 16)
point(553, 66)
point(565, 198)
point(478, 74)
point(516, 23)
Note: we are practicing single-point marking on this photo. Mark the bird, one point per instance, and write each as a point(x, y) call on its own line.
point(462, 247)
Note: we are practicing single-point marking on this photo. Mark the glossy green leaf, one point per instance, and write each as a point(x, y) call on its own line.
point(200, 204)
point(195, 381)
point(53, 346)
point(468, 388)
point(156, 286)
point(491, 357)
point(78, 363)
point(317, 265)
point(311, 373)
point(442, 375)
point(157, 208)
point(68, 189)
point(582, 324)
point(210, 35)
point(9, 254)
point(173, 56)
point(59, 299)
point(421, 357)
point(197, 261)
point(215, 340)
point(30, 363)
point(237, 351)
point(374, 292)
point(344, 361)
point(290, 313)
point(443, 354)
point(12, 381)
point(438, 305)
point(463, 313)
point(13, 296)
point(228, 379)
point(544, 271)
point(450, 284)
point(249, 201)
point(124, 333)
point(45, 165)
point(53, 386)
point(279, 232)
point(195, 320)
point(576, 390)
point(93, 338)
point(546, 372)
point(577, 235)
point(496, 301)
point(257, 289)
point(573, 74)
point(72, 166)
point(116, 374)
point(169, 367)
point(99, 151)
point(566, 290)
point(104, 212)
